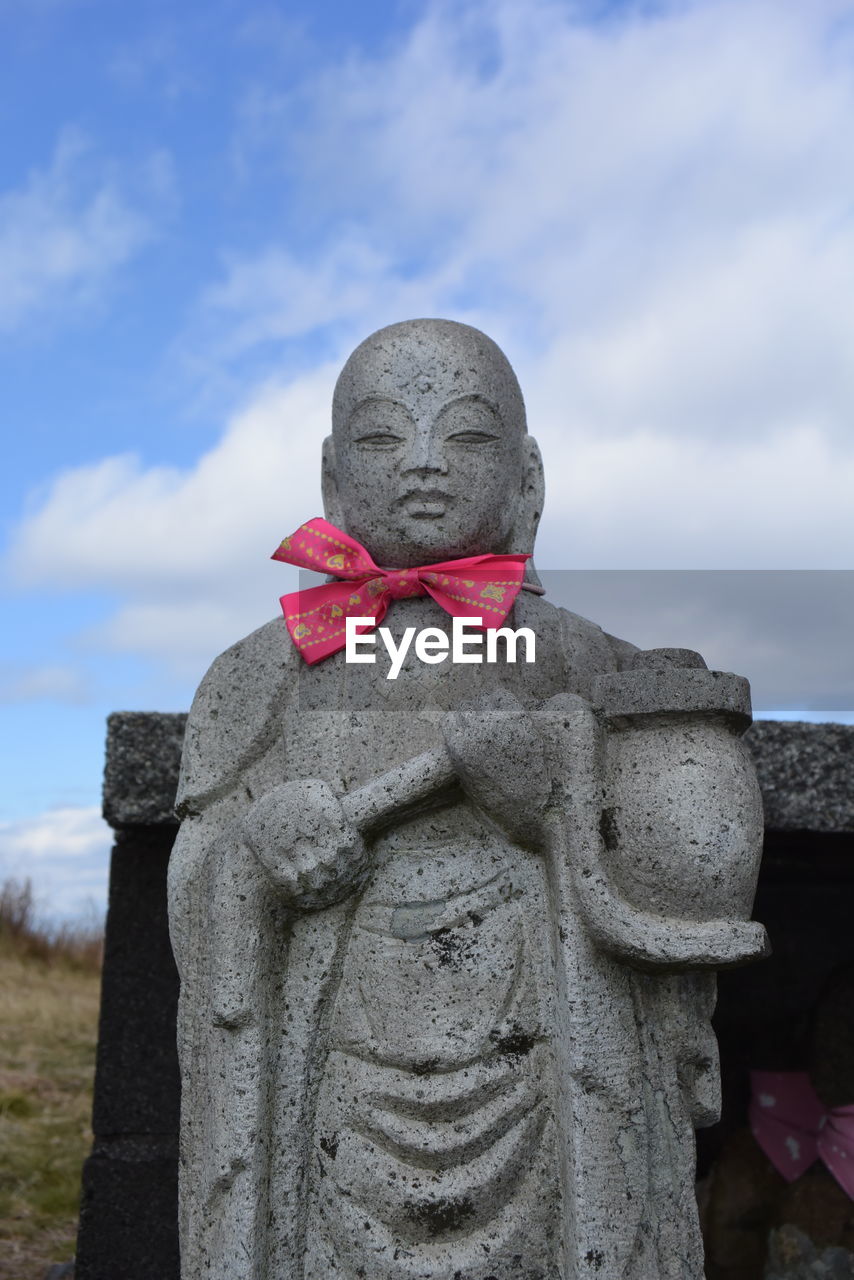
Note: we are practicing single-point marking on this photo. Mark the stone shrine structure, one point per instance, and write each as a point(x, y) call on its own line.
point(129, 1212)
point(447, 943)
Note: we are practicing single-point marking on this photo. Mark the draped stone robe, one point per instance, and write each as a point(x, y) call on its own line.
point(442, 1076)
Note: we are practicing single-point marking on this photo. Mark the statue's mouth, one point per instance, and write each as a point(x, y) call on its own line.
point(425, 504)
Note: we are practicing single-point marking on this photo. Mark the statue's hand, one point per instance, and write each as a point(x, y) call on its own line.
point(497, 753)
point(310, 851)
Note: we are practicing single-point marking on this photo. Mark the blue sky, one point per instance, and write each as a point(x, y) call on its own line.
point(204, 206)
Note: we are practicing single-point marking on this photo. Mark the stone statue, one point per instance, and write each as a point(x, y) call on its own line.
point(447, 941)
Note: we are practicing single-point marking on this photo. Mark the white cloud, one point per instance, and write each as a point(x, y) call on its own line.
point(156, 61)
point(66, 230)
point(65, 854)
point(121, 525)
point(653, 214)
point(187, 552)
point(22, 683)
point(275, 296)
point(646, 500)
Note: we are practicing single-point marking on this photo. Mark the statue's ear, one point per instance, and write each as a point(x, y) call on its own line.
point(332, 509)
point(530, 500)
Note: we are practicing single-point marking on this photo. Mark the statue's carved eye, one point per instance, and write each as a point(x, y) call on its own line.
point(379, 440)
point(472, 437)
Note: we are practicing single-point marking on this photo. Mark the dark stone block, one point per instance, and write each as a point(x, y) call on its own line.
point(141, 772)
point(831, 1062)
point(128, 1214)
point(137, 1086)
point(129, 1210)
point(766, 1011)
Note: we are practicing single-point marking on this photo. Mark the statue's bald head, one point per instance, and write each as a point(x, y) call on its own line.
point(429, 456)
point(433, 360)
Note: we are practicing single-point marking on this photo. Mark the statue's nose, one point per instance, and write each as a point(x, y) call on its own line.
point(426, 453)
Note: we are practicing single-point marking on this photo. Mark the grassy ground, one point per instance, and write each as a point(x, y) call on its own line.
point(49, 994)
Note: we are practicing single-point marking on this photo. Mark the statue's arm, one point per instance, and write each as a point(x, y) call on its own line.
point(232, 753)
point(314, 844)
point(235, 719)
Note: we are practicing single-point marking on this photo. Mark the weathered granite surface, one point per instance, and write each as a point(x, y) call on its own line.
point(806, 772)
point(446, 977)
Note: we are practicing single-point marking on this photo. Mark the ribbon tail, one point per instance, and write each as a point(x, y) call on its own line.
point(316, 618)
point(836, 1148)
point(790, 1149)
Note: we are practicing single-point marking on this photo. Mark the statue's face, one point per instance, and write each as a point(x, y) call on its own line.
point(428, 455)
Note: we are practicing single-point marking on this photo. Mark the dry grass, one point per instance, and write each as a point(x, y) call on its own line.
point(49, 996)
point(76, 946)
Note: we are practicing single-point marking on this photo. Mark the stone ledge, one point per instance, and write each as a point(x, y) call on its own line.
point(806, 771)
point(141, 771)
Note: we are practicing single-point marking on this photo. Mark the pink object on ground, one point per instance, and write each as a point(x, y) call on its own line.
point(476, 586)
point(794, 1128)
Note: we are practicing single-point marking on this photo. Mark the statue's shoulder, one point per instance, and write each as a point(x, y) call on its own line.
point(584, 644)
point(236, 714)
point(609, 653)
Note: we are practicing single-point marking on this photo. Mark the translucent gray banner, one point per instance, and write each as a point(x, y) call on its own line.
point(791, 632)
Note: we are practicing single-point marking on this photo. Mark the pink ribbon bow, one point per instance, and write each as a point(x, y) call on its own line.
point(482, 587)
point(794, 1128)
